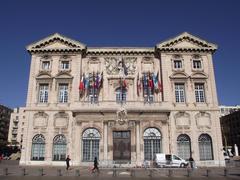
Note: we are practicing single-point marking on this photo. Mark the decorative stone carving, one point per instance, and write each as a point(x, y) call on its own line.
point(203, 120)
point(112, 65)
point(182, 120)
point(147, 64)
point(122, 116)
point(61, 120)
point(40, 119)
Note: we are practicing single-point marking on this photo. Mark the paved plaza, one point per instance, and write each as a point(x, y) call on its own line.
point(11, 170)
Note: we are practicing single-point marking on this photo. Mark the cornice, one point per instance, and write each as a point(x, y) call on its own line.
point(120, 51)
point(198, 45)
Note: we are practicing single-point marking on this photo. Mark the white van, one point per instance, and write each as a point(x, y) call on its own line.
point(169, 160)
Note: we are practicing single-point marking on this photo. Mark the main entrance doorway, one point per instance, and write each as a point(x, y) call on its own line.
point(122, 146)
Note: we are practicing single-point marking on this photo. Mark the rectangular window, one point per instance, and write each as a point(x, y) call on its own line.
point(45, 65)
point(93, 95)
point(65, 65)
point(197, 64)
point(177, 64)
point(199, 92)
point(148, 88)
point(179, 92)
point(63, 93)
point(43, 93)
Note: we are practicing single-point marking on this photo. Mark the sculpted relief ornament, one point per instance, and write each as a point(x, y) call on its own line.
point(122, 116)
point(112, 65)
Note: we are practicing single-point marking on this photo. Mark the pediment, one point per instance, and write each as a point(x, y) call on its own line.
point(186, 41)
point(44, 75)
point(199, 75)
point(63, 75)
point(56, 42)
point(179, 75)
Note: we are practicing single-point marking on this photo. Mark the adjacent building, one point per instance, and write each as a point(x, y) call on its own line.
point(121, 104)
point(225, 110)
point(16, 128)
point(5, 113)
point(231, 130)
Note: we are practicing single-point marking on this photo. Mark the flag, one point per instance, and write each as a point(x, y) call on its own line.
point(124, 68)
point(145, 83)
point(155, 80)
point(81, 85)
point(150, 81)
point(160, 86)
point(97, 81)
point(138, 85)
point(100, 80)
point(86, 82)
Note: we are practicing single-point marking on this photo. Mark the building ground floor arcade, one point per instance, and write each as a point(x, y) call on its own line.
point(120, 137)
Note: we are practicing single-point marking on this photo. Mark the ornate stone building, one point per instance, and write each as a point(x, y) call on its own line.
point(121, 104)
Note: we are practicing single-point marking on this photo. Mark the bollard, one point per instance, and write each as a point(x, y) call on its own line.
point(114, 171)
point(225, 172)
point(208, 172)
point(59, 173)
point(170, 172)
point(132, 172)
point(41, 172)
point(150, 173)
point(24, 172)
point(189, 172)
point(6, 171)
point(77, 172)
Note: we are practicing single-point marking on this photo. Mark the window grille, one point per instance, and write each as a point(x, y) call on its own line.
point(184, 146)
point(179, 92)
point(65, 65)
point(121, 95)
point(93, 95)
point(46, 65)
point(177, 64)
point(43, 93)
point(205, 147)
point(199, 92)
point(38, 147)
point(148, 92)
point(152, 143)
point(63, 93)
point(197, 64)
point(59, 148)
point(90, 147)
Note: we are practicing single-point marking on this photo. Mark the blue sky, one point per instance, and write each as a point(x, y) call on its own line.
point(117, 23)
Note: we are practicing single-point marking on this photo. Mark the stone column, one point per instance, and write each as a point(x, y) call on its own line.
point(105, 141)
point(138, 154)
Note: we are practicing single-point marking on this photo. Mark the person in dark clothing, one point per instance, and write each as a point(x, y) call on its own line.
point(191, 161)
point(95, 165)
point(67, 162)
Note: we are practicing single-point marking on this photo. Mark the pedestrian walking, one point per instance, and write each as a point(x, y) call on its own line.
point(67, 162)
point(191, 161)
point(95, 163)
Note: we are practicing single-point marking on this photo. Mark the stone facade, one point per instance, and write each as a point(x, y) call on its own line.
point(82, 98)
point(16, 127)
point(5, 113)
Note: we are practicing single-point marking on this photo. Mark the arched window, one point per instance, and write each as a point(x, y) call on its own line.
point(184, 146)
point(59, 147)
point(121, 95)
point(38, 147)
point(90, 147)
point(152, 143)
point(205, 147)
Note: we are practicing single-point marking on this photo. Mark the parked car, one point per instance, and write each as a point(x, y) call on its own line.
point(169, 160)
